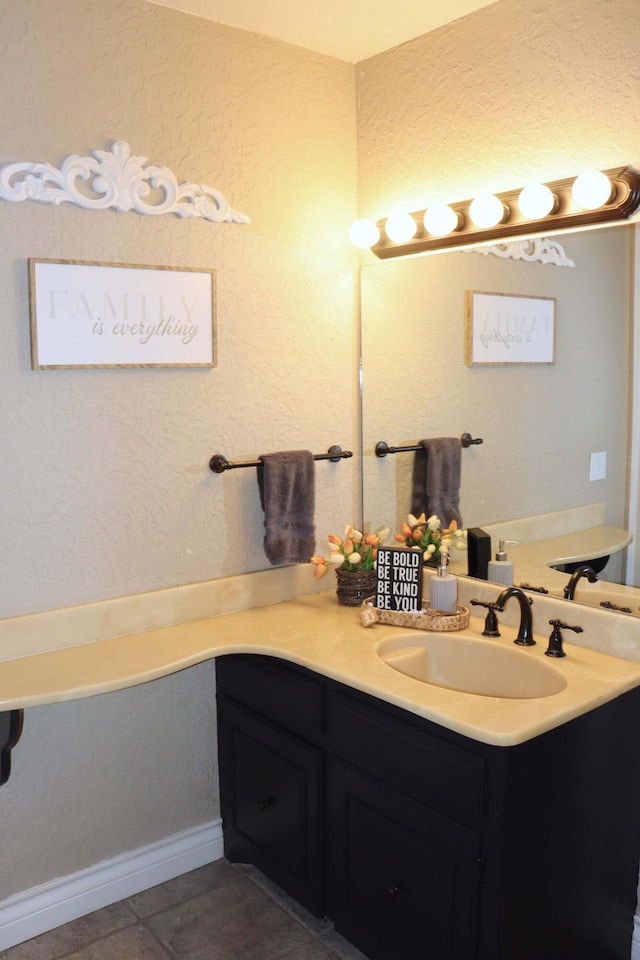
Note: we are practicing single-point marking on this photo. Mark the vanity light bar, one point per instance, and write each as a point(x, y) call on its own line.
point(622, 202)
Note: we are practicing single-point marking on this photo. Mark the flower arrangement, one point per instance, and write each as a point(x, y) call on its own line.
point(355, 551)
point(427, 535)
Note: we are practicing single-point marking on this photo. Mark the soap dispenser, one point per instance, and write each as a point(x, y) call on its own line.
point(443, 587)
point(500, 570)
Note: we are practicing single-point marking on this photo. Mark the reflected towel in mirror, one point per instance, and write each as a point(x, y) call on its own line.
point(435, 485)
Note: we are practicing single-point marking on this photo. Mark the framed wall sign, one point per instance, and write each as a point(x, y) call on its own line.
point(507, 328)
point(399, 579)
point(86, 314)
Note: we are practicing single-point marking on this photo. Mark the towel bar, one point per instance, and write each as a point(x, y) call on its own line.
point(382, 448)
point(219, 463)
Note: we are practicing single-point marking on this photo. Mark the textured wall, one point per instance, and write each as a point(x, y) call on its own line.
point(512, 92)
point(97, 777)
point(104, 479)
point(104, 475)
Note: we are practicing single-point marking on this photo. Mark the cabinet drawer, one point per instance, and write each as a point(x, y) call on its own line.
point(271, 792)
point(406, 754)
point(289, 695)
point(403, 880)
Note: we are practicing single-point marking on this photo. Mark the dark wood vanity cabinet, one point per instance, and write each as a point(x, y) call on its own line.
point(421, 844)
point(270, 734)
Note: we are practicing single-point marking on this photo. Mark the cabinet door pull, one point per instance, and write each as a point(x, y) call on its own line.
point(266, 803)
point(391, 890)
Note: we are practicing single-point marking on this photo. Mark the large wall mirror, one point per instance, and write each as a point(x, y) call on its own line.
point(540, 423)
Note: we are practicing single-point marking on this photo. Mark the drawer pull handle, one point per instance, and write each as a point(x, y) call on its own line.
point(265, 804)
point(391, 890)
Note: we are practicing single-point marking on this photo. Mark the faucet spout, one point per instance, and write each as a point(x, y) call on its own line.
point(584, 570)
point(525, 631)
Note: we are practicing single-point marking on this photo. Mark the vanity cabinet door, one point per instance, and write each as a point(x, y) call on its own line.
point(271, 796)
point(402, 879)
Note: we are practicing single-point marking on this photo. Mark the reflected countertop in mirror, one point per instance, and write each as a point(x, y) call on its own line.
point(535, 563)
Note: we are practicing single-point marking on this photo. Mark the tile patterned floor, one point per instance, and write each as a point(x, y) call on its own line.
point(219, 912)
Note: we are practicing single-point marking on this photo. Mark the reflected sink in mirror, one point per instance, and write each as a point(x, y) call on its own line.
point(468, 664)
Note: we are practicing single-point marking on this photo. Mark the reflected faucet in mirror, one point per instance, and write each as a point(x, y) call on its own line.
point(584, 570)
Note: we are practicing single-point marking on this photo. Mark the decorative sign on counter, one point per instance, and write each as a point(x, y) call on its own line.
point(399, 581)
point(502, 328)
point(87, 314)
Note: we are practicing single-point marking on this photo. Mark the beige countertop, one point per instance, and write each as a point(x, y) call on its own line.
point(316, 632)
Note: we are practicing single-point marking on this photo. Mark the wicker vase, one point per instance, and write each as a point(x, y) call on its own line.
point(354, 586)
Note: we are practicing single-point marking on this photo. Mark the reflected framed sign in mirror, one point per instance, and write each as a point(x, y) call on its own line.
point(506, 328)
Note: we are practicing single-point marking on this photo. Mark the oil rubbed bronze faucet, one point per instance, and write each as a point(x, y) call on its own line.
point(525, 631)
point(584, 570)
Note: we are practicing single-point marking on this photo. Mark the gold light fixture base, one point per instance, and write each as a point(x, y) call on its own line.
point(565, 215)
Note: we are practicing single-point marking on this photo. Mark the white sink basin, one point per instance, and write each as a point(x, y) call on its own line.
point(472, 665)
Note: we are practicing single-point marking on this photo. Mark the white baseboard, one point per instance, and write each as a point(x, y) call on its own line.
point(51, 904)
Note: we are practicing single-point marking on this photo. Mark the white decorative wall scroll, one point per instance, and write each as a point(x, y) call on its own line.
point(115, 180)
point(502, 328)
point(536, 249)
point(87, 314)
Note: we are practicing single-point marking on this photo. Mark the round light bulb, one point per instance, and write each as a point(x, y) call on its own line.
point(363, 234)
point(400, 227)
point(440, 220)
point(486, 210)
point(591, 189)
point(536, 201)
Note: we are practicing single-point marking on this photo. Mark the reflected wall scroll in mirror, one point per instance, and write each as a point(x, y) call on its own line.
point(540, 423)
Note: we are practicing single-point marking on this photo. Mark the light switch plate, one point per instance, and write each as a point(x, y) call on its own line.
point(598, 466)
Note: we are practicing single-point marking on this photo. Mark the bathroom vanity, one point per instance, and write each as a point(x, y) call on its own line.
point(424, 821)
point(419, 842)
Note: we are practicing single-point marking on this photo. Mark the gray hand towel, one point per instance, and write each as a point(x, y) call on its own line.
point(436, 480)
point(287, 494)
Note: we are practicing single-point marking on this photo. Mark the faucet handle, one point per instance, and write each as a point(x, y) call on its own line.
point(555, 648)
point(491, 621)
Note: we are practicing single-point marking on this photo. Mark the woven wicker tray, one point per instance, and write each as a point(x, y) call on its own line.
point(427, 620)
